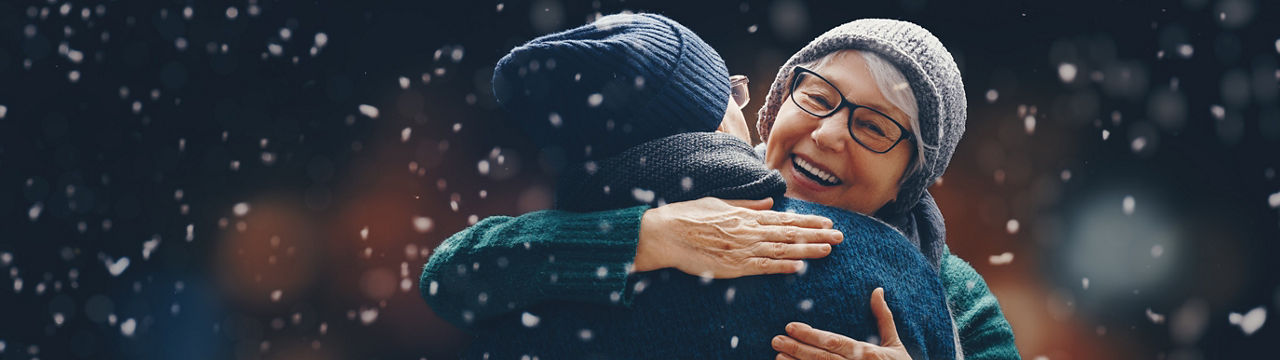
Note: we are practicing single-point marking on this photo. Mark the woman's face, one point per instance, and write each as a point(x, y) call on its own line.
point(864, 180)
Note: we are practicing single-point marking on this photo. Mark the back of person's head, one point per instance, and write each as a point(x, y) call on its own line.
point(601, 88)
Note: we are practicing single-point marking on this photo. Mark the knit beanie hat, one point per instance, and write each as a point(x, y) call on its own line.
point(601, 88)
point(931, 72)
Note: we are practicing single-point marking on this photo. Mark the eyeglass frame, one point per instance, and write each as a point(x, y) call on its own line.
point(844, 102)
point(737, 82)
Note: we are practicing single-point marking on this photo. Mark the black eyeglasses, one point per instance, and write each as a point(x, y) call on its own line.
point(869, 127)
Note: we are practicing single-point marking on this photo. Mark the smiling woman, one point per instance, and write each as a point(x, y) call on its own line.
point(840, 147)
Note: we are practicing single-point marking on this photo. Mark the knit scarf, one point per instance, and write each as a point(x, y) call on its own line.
point(923, 226)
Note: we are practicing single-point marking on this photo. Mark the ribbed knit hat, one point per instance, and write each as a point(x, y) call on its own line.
point(601, 88)
point(928, 67)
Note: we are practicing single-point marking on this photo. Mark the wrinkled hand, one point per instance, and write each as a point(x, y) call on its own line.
point(804, 342)
point(730, 238)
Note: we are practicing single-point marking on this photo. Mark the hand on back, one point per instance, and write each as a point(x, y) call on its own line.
point(721, 239)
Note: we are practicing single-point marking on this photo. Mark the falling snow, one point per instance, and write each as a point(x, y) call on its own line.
point(368, 316)
point(128, 327)
point(1067, 72)
point(529, 320)
point(1251, 321)
point(642, 195)
point(1002, 259)
point(33, 213)
point(555, 120)
point(1138, 144)
point(369, 110)
point(1219, 113)
point(149, 246)
point(805, 305)
point(1128, 204)
point(117, 267)
point(1154, 317)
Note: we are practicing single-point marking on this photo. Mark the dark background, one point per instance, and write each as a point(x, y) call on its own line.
point(284, 222)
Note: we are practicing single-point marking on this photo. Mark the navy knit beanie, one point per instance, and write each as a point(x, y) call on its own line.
point(622, 80)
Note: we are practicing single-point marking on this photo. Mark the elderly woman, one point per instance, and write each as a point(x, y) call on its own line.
point(835, 124)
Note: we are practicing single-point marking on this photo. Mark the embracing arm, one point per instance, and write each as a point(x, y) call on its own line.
point(983, 330)
point(503, 263)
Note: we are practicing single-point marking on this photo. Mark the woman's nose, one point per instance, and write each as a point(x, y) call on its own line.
point(831, 133)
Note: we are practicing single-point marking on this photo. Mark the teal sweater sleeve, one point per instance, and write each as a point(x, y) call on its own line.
point(503, 264)
point(984, 332)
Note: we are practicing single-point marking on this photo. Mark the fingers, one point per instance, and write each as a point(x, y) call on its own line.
point(762, 204)
point(829, 341)
point(799, 235)
point(884, 318)
point(782, 356)
point(790, 219)
point(790, 251)
point(800, 350)
point(766, 266)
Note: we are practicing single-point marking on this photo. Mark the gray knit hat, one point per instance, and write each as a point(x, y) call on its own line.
point(928, 67)
point(603, 87)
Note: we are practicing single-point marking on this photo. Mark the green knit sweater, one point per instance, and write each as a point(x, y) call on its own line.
point(557, 255)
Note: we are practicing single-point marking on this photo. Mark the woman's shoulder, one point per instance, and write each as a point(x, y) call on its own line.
point(960, 278)
point(984, 331)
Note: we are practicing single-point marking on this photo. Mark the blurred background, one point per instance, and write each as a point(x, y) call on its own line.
point(266, 179)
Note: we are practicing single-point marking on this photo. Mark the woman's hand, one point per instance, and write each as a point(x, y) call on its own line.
point(804, 342)
point(730, 238)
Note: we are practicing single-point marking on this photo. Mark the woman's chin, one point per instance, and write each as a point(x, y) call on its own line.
point(802, 187)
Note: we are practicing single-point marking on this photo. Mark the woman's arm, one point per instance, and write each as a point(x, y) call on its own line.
point(984, 332)
point(504, 264)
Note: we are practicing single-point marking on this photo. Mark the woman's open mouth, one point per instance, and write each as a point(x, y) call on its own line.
point(814, 173)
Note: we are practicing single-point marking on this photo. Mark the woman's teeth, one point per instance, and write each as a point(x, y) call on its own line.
point(822, 177)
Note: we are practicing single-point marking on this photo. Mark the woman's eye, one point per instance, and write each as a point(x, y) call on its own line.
point(818, 100)
point(871, 126)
